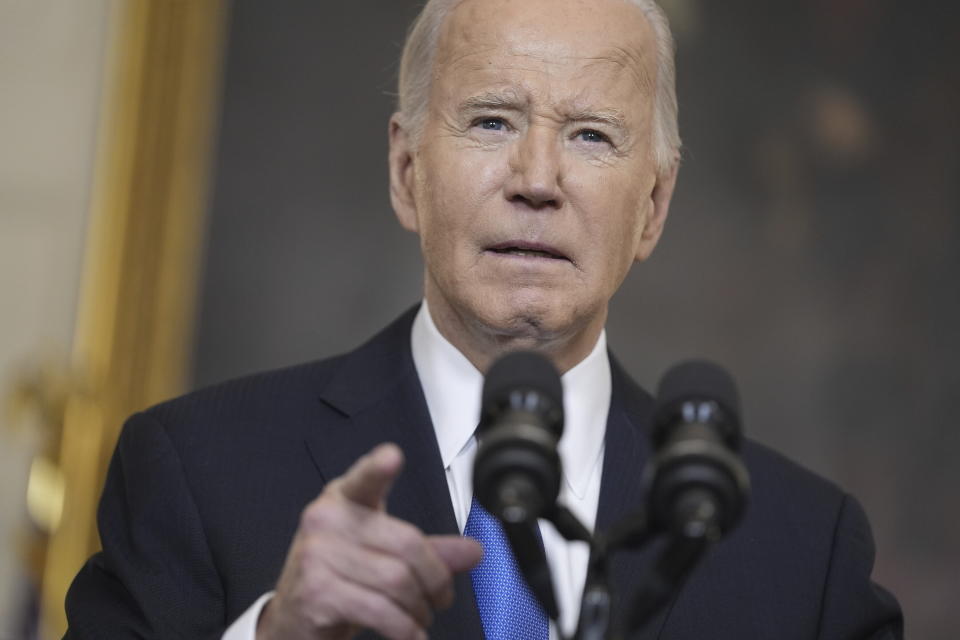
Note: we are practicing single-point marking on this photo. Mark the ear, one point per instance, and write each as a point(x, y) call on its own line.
point(402, 175)
point(660, 197)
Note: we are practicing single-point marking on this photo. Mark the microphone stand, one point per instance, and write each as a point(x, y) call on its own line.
point(682, 550)
point(541, 583)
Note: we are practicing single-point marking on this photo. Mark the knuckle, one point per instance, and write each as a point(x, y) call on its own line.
point(318, 590)
point(397, 577)
point(442, 597)
point(440, 577)
point(404, 628)
point(338, 606)
point(424, 614)
point(409, 541)
point(319, 596)
point(318, 515)
point(414, 632)
point(381, 615)
point(315, 554)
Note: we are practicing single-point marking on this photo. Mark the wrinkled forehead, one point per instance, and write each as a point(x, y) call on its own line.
point(567, 39)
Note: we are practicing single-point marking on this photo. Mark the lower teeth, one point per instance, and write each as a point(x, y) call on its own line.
point(532, 254)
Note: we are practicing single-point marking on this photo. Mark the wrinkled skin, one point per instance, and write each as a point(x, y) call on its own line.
point(538, 136)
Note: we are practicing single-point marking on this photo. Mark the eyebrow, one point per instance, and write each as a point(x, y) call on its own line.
point(610, 117)
point(493, 100)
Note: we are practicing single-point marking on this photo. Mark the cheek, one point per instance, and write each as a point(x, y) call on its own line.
point(462, 185)
point(614, 228)
point(617, 212)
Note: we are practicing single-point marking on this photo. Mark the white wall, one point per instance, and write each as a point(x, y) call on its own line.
point(51, 56)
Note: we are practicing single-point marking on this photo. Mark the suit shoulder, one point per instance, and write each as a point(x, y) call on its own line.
point(790, 500)
point(773, 469)
point(270, 413)
point(262, 399)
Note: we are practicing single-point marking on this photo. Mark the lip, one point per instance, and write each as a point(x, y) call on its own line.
point(531, 250)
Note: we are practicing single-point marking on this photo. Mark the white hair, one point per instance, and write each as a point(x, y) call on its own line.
point(416, 75)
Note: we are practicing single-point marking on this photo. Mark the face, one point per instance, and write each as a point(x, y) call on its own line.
point(533, 187)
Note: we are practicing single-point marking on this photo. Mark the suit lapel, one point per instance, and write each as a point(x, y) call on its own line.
point(378, 397)
point(626, 451)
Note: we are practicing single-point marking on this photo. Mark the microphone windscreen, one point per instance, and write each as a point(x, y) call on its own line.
point(522, 370)
point(697, 380)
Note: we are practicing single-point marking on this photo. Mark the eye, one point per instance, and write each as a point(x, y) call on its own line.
point(491, 124)
point(592, 135)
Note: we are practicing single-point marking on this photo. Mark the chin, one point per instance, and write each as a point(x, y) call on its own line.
point(529, 315)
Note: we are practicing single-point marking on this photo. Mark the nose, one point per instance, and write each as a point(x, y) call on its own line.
point(536, 168)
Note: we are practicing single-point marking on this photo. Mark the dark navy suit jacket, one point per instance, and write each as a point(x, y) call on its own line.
point(204, 494)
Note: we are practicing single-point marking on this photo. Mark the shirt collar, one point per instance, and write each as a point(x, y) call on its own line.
point(586, 404)
point(452, 387)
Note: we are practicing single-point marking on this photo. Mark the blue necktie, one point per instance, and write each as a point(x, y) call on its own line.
point(508, 609)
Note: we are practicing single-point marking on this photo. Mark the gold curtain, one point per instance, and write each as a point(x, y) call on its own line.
point(137, 297)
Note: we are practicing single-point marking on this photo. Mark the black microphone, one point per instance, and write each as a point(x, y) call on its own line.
point(516, 474)
point(697, 485)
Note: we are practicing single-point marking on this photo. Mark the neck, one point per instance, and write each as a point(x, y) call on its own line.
point(482, 344)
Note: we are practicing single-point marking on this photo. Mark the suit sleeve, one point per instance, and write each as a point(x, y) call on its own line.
point(854, 607)
point(155, 577)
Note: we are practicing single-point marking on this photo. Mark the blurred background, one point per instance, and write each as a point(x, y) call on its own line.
point(191, 191)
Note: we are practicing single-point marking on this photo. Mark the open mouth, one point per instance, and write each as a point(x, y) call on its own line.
point(528, 250)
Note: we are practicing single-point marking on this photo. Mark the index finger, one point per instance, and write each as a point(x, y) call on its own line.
point(369, 480)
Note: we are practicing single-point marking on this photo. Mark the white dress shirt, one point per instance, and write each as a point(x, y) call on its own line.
point(452, 387)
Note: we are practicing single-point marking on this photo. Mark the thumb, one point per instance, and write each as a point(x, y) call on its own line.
point(459, 554)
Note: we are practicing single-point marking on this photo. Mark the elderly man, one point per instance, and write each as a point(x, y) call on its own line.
point(534, 152)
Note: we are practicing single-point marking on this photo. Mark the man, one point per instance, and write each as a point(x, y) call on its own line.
point(535, 154)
